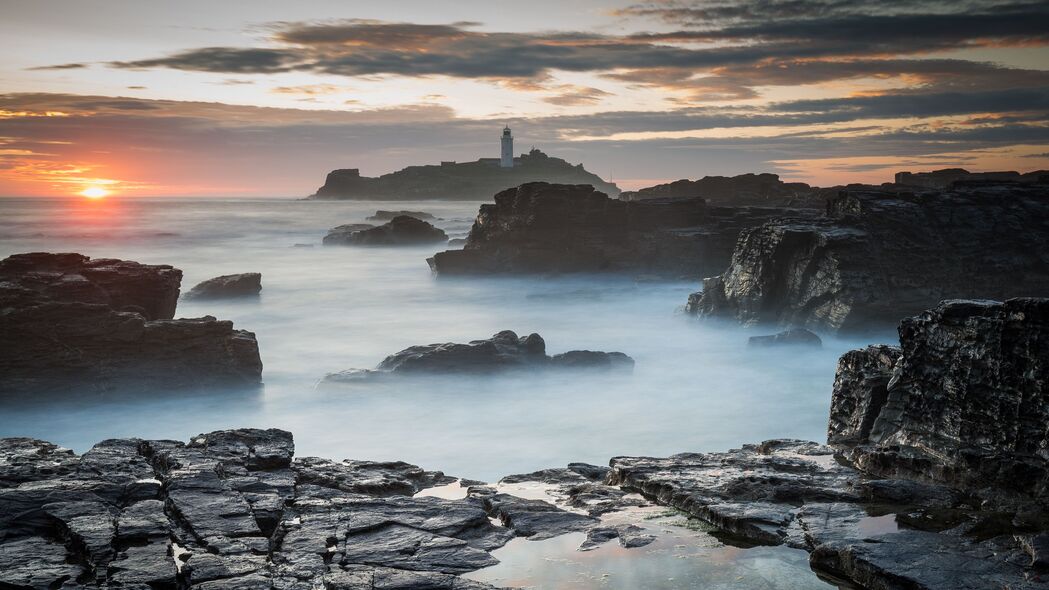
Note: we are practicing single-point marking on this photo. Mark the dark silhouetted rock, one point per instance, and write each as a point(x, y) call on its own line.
point(879, 256)
point(401, 230)
point(557, 228)
point(502, 352)
point(457, 181)
point(248, 284)
point(791, 337)
point(382, 215)
point(91, 330)
point(948, 176)
point(964, 401)
point(744, 189)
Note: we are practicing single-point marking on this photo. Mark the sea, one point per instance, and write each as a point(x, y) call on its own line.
point(696, 385)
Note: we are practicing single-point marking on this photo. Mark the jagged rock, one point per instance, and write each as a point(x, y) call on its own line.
point(502, 352)
point(122, 285)
point(963, 401)
point(744, 189)
point(389, 478)
point(248, 284)
point(557, 228)
point(537, 519)
point(456, 180)
point(401, 230)
point(630, 536)
point(791, 337)
point(70, 322)
point(382, 215)
point(878, 256)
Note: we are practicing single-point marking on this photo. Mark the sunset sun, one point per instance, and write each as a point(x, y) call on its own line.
point(94, 192)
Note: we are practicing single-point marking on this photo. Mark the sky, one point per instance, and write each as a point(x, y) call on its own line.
point(263, 98)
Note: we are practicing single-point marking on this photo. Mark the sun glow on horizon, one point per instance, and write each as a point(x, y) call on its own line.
point(94, 192)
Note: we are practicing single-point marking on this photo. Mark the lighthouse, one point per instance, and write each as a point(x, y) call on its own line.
point(506, 159)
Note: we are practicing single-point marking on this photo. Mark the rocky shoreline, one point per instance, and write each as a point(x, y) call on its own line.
point(917, 489)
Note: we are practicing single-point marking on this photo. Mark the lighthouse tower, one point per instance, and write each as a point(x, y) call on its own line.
point(506, 159)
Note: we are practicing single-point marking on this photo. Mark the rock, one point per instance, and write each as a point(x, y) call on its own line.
point(401, 230)
point(962, 402)
point(537, 519)
point(559, 228)
point(122, 285)
point(947, 177)
point(630, 536)
point(878, 256)
point(343, 235)
point(247, 284)
point(382, 215)
point(502, 352)
point(744, 189)
point(791, 337)
point(104, 316)
point(232, 509)
point(457, 180)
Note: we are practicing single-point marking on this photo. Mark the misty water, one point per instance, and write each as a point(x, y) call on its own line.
point(696, 385)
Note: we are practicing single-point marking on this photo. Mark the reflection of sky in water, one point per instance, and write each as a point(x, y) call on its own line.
point(696, 386)
point(683, 556)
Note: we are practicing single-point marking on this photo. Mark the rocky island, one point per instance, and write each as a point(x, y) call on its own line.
point(877, 255)
point(67, 320)
point(458, 180)
point(934, 478)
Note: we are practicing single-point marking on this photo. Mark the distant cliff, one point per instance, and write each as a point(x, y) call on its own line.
point(458, 181)
point(762, 190)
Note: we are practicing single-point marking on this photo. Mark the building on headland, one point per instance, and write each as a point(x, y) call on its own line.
point(448, 179)
point(506, 158)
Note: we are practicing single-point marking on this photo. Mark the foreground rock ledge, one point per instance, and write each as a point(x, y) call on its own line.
point(70, 322)
point(234, 509)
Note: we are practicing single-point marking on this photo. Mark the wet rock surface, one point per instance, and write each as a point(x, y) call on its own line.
point(505, 351)
point(248, 284)
point(229, 509)
point(964, 400)
point(880, 255)
point(560, 228)
point(401, 230)
point(68, 321)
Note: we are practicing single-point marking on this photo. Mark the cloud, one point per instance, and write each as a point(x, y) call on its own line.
point(572, 95)
point(69, 66)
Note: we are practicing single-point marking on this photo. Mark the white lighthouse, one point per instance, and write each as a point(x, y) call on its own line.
point(506, 159)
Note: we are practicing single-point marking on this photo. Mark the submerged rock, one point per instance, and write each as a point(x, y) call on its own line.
point(502, 352)
point(401, 230)
point(791, 337)
point(69, 322)
point(248, 284)
point(562, 228)
point(878, 256)
point(382, 215)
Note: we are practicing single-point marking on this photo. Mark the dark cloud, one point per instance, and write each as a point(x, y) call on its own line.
point(70, 66)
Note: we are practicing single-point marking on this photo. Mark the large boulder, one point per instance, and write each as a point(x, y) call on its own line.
point(502, 352)
point(399, 231)
point(123, 285)
point(248, 284)
point(68, 322)
point(342, 235)
point(878, 256)
point(561, 228)
point(963, 401)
